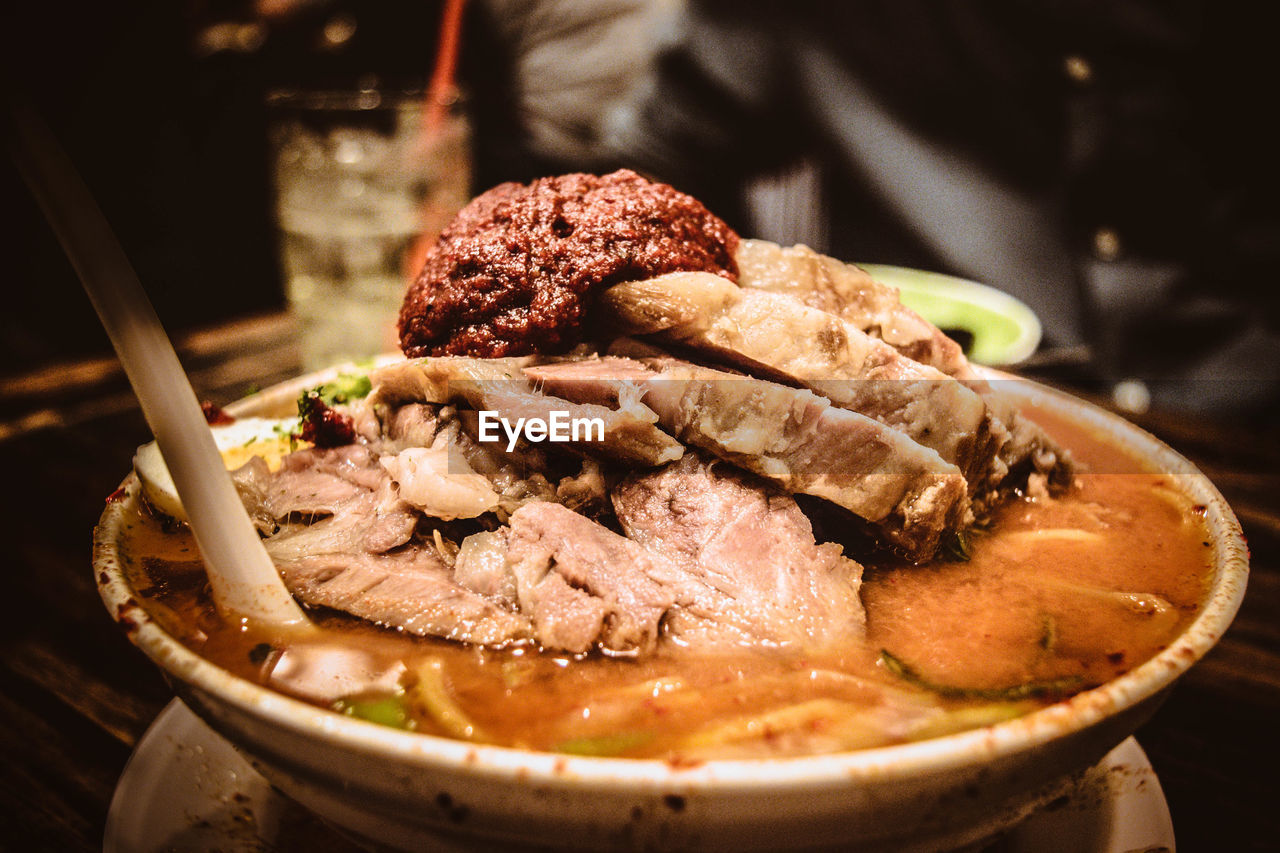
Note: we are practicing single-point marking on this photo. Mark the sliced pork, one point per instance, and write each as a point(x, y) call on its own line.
point(754, 572)
point(553, 576)
point(316, 481)
point(848, 292)
point(345, 483)
point(411, 590)
point(775, 336)
point(629, 436)
point(583, 584)
point(713, 559)
point(360, 556)
point(790, 436)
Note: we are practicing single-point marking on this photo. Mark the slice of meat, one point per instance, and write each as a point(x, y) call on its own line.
point(756, 574)
point(854, 296)
point(361, 559)
point(553, 576)
point(629, 436)
point(583, 584)
point(851, 294)
point(314, 481)
point(772, 335)
point(429, 380)
point(347, 483)
point(411, 590)
point(252, 480)
point(790, 436)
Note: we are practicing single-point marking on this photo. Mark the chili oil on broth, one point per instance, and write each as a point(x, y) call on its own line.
point(1057, 595)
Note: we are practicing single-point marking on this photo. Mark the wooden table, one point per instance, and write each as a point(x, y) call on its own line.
point(75, 696)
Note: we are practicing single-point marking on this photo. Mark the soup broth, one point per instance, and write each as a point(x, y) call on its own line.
point(1055, 596)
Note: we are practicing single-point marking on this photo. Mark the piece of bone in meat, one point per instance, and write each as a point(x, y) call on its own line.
point(481, 565)
point(437, 480)
point(775, 336)
point(762, 577)
point(790, 436)
point(850, 293)
point(630, 435)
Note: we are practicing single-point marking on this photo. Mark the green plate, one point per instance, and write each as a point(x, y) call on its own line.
point(1003, 329)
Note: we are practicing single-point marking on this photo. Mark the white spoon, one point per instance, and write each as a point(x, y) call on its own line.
point(244, 582)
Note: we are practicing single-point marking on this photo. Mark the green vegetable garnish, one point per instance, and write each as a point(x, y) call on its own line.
point(342, 389)
point(956, 546)
point(604, 745)
point(383, 710)
point(1026, 690)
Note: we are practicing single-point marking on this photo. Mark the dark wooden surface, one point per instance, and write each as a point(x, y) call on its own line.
point(75, 696)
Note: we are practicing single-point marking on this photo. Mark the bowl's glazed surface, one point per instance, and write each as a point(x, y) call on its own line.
point(416, 791)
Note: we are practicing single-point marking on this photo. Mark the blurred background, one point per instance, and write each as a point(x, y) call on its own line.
point(161, 106)
point(1110, 164)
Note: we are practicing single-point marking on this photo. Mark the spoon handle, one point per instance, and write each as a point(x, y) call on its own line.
point(243, 580)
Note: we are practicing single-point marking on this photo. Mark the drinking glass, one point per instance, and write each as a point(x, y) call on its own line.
point(362, 180)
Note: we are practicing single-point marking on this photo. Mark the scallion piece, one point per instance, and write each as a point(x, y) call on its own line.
point(1026, 690)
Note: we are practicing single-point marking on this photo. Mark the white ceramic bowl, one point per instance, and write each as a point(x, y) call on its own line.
point(416, 791)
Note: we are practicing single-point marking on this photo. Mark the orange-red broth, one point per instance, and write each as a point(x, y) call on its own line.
point(1060, 592)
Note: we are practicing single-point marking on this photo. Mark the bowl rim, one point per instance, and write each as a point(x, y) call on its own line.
point(1229, 561)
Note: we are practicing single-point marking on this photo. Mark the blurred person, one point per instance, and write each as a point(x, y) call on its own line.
point(544, 76)
point(1110, 164)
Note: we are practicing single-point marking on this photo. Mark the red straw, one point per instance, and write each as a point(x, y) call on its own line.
point(441, 94)
point(442, 89)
